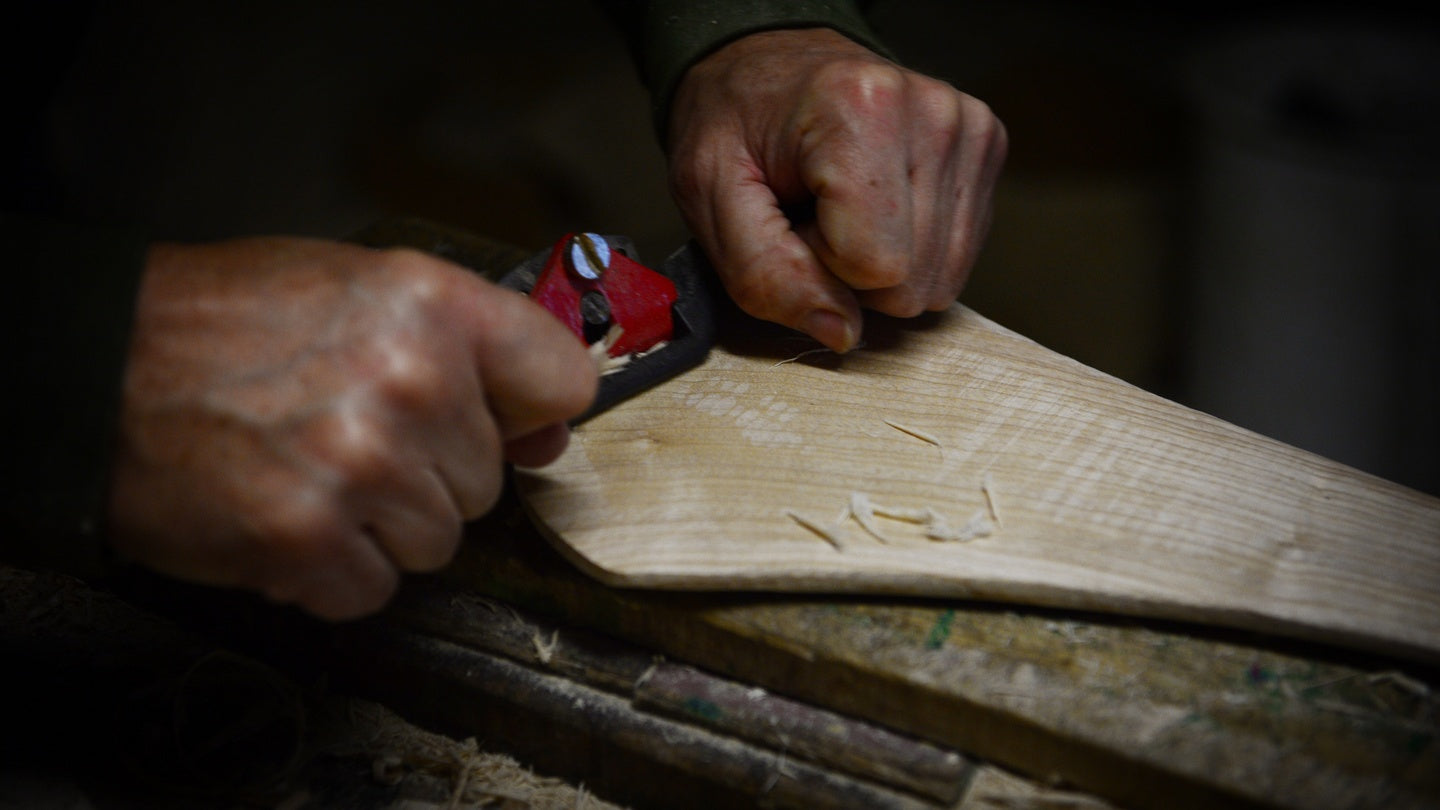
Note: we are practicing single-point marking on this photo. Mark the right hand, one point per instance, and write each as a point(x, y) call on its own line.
point(308, 419)
point(900, 169)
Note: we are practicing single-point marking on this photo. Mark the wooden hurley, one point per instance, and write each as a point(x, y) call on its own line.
point(951, 457)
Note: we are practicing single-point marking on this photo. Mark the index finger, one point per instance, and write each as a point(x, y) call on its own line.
point(534, 371)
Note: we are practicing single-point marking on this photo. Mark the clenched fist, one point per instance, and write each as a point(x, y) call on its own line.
point(309, 419)
point(900, 169)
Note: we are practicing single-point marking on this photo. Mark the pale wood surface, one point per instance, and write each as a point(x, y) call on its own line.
point(1109, 498)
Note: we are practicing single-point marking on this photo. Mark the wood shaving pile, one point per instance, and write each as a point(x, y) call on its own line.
point(985, 521)
point(864, 511)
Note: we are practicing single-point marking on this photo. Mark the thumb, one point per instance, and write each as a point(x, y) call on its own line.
point(534, 371)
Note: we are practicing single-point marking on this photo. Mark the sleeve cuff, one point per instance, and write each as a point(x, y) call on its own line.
point(676, 34)
point(69, 317)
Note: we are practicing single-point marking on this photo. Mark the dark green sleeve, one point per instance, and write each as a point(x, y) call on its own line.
point(67, 311)
point(666, 37)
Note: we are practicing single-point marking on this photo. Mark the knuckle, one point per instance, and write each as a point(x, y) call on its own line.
point(436, 550)
point(479, 496)
point(984, 127)
point(948, 292)
point(999, 141)
point(353, 446)
point(865, 87)
point(405, 376)
point(940, 104)
point(899, 302)
point(419, 280)
point(907, 303)
point(883, 271)
point(343, 596)
point(303, 525)
point(409, 264)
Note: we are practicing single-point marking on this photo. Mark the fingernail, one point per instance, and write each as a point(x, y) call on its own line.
point(830, 328)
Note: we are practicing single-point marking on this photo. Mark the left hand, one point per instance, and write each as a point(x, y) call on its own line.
point(310, 419)
point(900, 169)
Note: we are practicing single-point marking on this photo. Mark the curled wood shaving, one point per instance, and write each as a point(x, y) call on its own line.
point(864, 511)
point(1401, 680)
point(918, 516)
point(979, 525)
point(916, 432)
point(987, 487)
point(545, 650)
point(800, 355)
point(600, 352)
point(821, 350)
point(826, 534)
point(649, 672)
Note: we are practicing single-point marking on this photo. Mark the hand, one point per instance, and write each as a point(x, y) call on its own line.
point(308, 419)
point(900, 169)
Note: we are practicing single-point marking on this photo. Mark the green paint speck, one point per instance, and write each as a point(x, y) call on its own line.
point(940, 631)
point(703, 709)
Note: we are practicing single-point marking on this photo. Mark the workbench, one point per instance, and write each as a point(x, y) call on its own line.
point(739, 700)
point(656, 699)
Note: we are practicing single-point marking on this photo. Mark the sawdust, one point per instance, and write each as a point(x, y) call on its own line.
point(476, 778)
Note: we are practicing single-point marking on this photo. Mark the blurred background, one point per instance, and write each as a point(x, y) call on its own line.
point(1235, 205)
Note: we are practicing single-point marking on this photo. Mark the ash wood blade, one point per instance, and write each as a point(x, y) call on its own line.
point(991, 468)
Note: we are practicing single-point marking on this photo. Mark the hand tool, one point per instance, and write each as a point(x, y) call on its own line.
point(661, 322)
point(592, 283)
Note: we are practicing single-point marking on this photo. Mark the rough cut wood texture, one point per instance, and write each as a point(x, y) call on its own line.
point(1148, 714)
point(1107, 497)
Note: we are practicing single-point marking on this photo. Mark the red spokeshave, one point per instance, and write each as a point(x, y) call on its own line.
point(591, 287)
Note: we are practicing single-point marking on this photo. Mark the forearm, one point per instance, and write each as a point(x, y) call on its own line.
point(666, 37)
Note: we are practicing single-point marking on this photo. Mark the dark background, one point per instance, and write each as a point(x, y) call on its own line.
point(1235, 205)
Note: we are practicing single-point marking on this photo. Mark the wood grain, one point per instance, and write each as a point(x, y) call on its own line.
point(1109, 498)
point(1148, 714)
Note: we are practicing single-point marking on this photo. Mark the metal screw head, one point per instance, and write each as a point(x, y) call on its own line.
point(595, 309)
point(589, 255)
